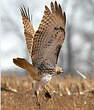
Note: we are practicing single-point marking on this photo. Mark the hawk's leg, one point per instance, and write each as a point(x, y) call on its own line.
point(39, 86)
point(36, 90)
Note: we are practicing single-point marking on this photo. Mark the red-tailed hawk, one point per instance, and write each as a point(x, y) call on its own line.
point(43, 45)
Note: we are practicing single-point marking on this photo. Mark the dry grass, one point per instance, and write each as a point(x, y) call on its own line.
point(66, 94)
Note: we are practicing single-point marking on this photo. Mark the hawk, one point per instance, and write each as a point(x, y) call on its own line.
point(43, 45)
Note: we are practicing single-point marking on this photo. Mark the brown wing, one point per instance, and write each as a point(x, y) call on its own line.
point(28, 28)
point(49, 37)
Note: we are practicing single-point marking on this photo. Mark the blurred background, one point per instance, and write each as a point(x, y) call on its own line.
point(77, 53)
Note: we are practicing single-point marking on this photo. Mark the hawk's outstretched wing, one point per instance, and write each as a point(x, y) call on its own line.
point(49, 38)
point(28, 28)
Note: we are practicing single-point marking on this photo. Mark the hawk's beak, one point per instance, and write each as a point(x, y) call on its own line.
point(59, 70)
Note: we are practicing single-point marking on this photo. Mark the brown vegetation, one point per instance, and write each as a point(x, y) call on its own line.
point(59, 94)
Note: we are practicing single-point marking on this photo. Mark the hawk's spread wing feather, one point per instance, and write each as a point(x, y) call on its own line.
point(28, 28)
point(48, 38)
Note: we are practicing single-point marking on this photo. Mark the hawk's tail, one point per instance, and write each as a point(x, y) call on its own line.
point(23, 63)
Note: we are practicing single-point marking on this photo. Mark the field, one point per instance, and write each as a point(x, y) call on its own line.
point(65, 93)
